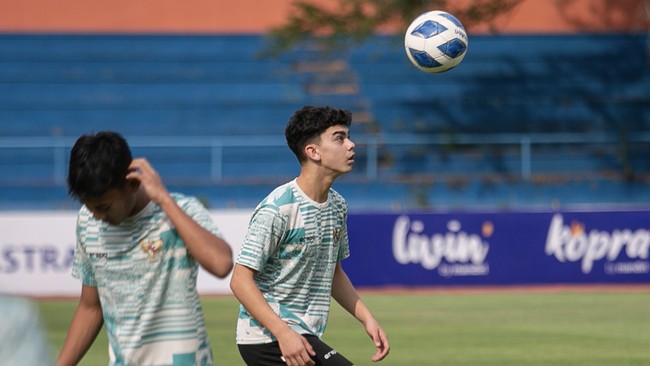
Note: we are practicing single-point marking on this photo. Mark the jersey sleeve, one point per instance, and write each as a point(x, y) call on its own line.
point(197, 211)
point(81, 265)
point(344, 247)
point(265, 232)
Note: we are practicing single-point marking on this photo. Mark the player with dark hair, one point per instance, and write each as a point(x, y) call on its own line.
point(137, 254)
point(289, 265)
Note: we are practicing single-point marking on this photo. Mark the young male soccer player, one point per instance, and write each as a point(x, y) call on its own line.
point(289, 264)
point(136, 255)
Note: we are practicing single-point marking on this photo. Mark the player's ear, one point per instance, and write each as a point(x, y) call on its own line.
point(132, 185)
point(312, 153)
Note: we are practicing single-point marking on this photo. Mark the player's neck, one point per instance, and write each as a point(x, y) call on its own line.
point(315, 186)
point(141, 201)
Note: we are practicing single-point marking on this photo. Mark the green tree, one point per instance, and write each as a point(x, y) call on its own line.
point(344, 22)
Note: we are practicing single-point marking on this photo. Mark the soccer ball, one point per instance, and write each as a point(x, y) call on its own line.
point(436, 42)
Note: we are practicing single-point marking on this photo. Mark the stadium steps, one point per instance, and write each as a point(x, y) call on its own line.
point(330, 81)
point(220, 86)
point(569, 82)
point(139, 85)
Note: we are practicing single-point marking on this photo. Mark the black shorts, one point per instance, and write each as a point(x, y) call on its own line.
point(269, 354)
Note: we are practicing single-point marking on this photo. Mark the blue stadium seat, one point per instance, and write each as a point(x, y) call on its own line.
point(221, 87)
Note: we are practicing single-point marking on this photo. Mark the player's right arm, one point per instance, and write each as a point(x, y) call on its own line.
point(295, 348)
point(86, 324)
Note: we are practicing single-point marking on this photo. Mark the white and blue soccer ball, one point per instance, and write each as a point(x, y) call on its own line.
point(436, 41)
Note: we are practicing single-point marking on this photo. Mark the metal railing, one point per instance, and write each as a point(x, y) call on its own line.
point(369, 146)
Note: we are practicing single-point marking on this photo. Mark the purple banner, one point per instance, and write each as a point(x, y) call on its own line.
point(498, 248)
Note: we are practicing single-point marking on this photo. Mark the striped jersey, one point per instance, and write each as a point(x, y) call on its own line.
point(146, 281)
point(294, 244)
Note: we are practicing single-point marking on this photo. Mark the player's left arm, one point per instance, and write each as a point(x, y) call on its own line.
point(212, 252)
point(347, 296)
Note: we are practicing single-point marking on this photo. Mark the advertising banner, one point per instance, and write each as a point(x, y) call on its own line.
point(405, 249)
point(514, 248)
point(37, 248)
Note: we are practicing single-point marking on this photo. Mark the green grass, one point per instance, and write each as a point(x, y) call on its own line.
point(563, 328)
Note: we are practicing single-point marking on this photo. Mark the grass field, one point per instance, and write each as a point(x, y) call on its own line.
point(559, 328)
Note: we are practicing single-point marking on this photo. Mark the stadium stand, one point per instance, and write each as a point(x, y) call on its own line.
point(524, 121)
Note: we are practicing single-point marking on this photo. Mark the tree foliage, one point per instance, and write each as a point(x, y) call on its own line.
point(343, 21)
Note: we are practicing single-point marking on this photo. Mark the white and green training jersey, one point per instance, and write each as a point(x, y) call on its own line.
point(294, 243)
point(146, 281)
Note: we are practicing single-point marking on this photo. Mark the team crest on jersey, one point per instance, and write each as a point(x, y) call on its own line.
point(337, 235)
point(151, 247)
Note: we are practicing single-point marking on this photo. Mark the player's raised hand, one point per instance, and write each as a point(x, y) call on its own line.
point(142, 171)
